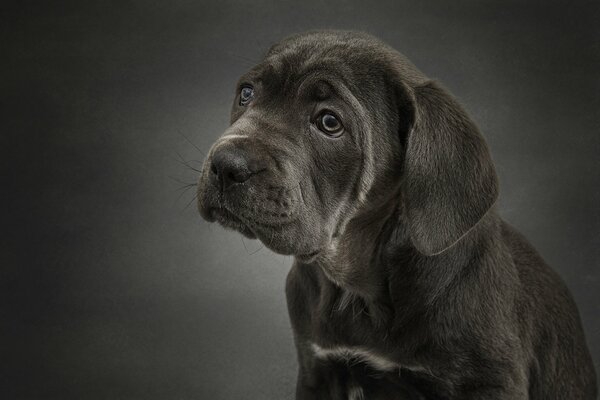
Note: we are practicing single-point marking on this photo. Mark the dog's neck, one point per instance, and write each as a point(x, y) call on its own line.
point(351, 260)
point(376, 245)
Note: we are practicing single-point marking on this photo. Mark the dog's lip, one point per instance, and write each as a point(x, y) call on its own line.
point(309, 257)
point(230, 220)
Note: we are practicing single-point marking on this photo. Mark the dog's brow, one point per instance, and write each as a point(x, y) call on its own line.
point(250, 76)
point(334, 84)
point(317, 79)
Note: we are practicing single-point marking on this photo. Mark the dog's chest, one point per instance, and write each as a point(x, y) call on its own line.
point(356, 354)
point(353, 355)
point(339, 334)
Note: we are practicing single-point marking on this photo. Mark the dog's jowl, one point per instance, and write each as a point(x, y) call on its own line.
point(406, 283)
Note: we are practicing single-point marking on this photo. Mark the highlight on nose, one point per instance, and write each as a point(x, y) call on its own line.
point(229, 166)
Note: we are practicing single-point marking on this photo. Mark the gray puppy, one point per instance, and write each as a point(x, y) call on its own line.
point(406, 283)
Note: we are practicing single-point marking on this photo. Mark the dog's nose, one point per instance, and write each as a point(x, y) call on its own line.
point(230, 166)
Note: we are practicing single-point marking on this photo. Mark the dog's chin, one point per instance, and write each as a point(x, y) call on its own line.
point(290, 240)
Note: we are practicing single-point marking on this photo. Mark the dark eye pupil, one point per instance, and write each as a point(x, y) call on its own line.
point(246, 95)
point(330, 122)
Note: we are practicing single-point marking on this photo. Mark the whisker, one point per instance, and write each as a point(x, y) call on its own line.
point(272, 237)
point(244, 243)
point(189, 185)
point(192, 143)
point(248, 61)
point(262, 246)
point(180, 181)
point(185, 163)
point(191, 201)
point(183, 193)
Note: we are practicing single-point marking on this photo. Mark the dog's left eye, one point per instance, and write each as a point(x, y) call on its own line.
point(246, 95)
point(330, 124)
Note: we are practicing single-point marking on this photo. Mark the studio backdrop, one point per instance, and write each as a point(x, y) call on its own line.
point(111, 285)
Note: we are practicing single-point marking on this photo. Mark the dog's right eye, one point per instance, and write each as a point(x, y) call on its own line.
point(246, 95)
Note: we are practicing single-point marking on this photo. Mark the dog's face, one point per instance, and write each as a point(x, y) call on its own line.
point(319, 131)
point(293, 163)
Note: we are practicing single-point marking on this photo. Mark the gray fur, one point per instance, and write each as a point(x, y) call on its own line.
point(398, 249)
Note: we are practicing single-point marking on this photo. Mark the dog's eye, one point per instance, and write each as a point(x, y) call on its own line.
point(329, 124)
point(246, 95)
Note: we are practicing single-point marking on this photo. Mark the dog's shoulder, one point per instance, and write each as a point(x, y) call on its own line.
point(532, 268)
point(542, 286)
point(549, 321)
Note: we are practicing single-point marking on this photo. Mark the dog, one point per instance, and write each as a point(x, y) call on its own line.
point(406, 283)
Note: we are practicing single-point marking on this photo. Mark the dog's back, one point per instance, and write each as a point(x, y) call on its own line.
point(560, 366)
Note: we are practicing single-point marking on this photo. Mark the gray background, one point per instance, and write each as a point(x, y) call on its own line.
point(111, 288)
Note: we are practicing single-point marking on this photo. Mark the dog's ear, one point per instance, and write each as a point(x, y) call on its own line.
point(449, 181)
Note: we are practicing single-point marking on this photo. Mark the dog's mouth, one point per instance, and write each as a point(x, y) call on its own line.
point(229, 220)
point(276, 218)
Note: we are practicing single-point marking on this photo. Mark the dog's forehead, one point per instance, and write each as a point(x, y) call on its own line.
point(292, 75)
point(319, 53)
point(352, 57)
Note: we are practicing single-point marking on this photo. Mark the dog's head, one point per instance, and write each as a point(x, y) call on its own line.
point(331, 124)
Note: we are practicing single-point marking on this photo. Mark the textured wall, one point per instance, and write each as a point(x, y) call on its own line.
point(111, 288)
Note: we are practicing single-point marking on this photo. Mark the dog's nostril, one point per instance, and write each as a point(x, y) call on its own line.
point(213, 168)
point(239, 176)
point(233, 177)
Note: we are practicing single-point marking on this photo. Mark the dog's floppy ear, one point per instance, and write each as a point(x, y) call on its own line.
point(449, 181)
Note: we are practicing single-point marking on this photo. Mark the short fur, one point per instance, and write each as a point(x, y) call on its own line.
point(401, 260)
